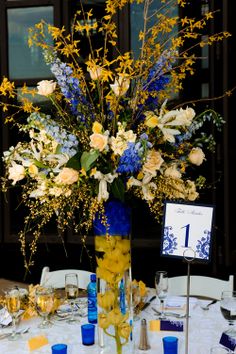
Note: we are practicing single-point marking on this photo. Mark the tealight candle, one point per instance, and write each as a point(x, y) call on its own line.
point(170, 345)
point(87, 332)
point(59, 349)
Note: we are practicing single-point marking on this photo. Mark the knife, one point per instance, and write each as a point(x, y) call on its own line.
point(146, 304)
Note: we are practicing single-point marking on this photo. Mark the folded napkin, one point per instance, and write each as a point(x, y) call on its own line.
point(37, 342)
point(227, 341)
point(166, 325)
point(5, 317)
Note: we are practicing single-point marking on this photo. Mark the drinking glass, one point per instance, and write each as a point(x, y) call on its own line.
point(12, 297)
point(72, 293)
point(161, 285)
point(136, 299)
point(218, 349)
point(228, 310)
point(44, 297)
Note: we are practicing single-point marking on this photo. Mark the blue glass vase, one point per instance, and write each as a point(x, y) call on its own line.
point(112, 247)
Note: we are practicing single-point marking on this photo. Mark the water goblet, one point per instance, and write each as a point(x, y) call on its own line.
point(44, 298)
point(228, 310)
point(72, 293)
point(13, 303)
point(161, 285)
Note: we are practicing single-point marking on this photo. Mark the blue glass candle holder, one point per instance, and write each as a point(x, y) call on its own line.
point(170, 345)
point(59, 349)
point(88, 334)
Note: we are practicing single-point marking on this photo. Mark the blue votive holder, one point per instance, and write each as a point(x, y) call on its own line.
point(59, 349)
point(88, 333)
point(170, 345)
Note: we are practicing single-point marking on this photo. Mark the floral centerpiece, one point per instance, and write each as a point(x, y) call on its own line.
point(113, 129)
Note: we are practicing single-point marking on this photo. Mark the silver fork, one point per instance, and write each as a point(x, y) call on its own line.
point(20, 331)
point(172, 314)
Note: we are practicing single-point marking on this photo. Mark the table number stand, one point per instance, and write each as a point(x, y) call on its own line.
point(187, 234)
point(188, 260)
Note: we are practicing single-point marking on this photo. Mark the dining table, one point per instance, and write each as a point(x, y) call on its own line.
point(205, 328)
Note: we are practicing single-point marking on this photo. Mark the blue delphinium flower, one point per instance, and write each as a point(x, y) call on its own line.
point(67, 141)
point(69, 86)
point(131, 160)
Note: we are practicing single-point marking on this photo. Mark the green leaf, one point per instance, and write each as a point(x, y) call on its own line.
point(74, 162)
point(88, 158)
point(40, 164)
point(118, 189)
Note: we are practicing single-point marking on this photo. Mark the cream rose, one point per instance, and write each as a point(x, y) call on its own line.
point(153, 162)
point(46, 87)
point(16, 172)
point(67, 176)
point(196, 156)
point(98, 141)
point(172, 172)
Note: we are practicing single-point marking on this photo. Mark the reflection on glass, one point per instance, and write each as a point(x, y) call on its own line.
point(25, 62)
point(136, 21)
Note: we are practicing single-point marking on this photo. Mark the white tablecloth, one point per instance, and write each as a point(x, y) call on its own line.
point(205, 329)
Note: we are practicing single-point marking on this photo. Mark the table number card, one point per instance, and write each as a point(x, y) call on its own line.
point(187, 231)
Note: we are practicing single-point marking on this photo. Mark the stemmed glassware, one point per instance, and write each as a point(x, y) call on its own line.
point(161, 285)
point(228, 310)
point(44, 297)
point(136, 299)
point(12, 297)
point(72, 293)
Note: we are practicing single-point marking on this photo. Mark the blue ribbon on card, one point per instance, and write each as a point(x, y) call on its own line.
point(227, 341)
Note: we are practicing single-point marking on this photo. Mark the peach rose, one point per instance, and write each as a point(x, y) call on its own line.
point(196, 156)
point(46, 87)
point(67, 176)
point(98, 141)
point(153, 162)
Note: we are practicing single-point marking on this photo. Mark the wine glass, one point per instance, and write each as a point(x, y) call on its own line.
point(228, 310)
point(161, 285)
point(136, 299)
point(12, 297)
point(44, 298)
point(72, 293)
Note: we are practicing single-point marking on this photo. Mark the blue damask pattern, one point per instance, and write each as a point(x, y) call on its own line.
point(203, 245)
point(169, 241)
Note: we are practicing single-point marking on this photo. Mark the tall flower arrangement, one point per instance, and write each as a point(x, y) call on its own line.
point(113, 129)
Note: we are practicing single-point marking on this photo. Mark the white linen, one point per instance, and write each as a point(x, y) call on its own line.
point(205, 329)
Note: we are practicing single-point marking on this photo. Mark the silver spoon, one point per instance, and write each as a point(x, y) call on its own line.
point(208, 305)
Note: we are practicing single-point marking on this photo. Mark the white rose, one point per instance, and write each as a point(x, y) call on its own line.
point(120, 86)
point(196, 156)
point(16, 172)
point(67, 176)
point(172, 172)
point(46, 87)
point(185, 116)
point(98, 141)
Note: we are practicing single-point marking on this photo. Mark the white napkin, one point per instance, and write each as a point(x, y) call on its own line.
point(5, 317)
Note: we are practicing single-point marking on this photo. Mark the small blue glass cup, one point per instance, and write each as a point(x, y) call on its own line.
point(170, 345)
point(59, 349)
point(88, 333)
